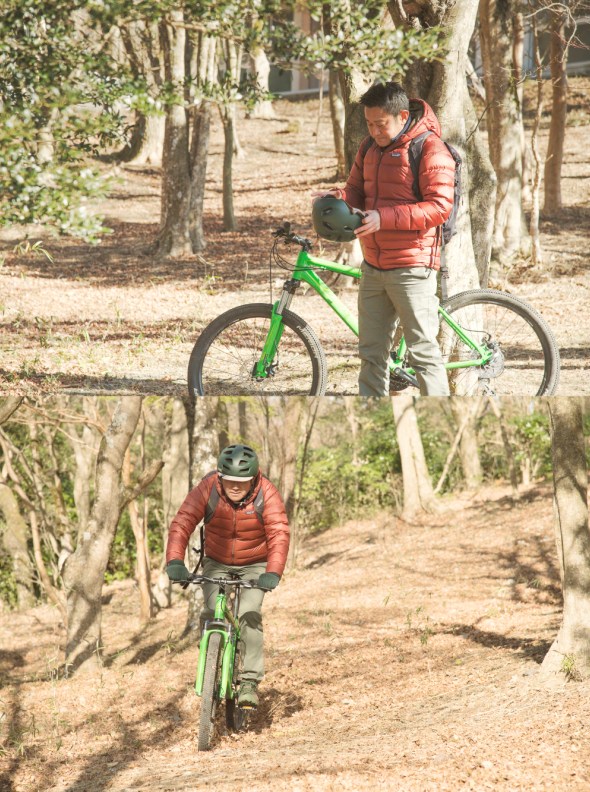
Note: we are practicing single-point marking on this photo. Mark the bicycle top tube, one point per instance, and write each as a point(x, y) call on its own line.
point(306, 262)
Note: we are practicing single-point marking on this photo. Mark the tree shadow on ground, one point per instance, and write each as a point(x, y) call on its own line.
point(127, 256)
point(531, 648)
point(82, 385)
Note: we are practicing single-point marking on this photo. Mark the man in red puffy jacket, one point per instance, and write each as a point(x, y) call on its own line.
point(400, 236)
point(246, 534)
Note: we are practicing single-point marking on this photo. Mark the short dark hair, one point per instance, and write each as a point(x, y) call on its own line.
point(389, 96)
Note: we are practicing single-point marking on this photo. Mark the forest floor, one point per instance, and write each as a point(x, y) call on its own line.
point(112, 317)
point(399, 657)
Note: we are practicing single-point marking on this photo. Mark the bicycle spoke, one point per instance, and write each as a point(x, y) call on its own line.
point(518, 364)
point(224, 359)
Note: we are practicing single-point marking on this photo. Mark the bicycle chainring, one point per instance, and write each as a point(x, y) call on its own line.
point(397, 383)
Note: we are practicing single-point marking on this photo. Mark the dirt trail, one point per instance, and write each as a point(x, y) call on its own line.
point(112, 317)
point(399, 657)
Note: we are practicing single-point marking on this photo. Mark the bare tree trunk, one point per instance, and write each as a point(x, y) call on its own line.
point(512, 469)
point(338, 115)
point(519, 78)
point(307, 424)
point(261, 68)
point(175, 238)
point(85, 568)
point(504, 123)
point(199, 156)
point(570, 652)
point(142, 47)
point(536, 253)
point(229, 218)
point(558, 65)
point(85, 445)
point(139, 528)
point(465, 415)
point(175, 483)
point(418, 492)
point(14, 538)
point(468, 446)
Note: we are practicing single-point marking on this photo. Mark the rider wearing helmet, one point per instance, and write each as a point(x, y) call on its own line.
point(247, 535)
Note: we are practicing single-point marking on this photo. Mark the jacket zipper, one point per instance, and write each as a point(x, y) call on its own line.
point(376, 200)
point(233, 545)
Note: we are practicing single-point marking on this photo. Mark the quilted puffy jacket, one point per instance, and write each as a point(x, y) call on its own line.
point(234, 535)
point(383, 180)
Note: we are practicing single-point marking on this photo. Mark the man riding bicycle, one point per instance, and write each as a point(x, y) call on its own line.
point(247, 535)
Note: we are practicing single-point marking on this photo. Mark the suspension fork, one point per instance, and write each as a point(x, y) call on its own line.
point(263, 366)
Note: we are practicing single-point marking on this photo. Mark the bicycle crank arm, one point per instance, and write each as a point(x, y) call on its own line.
point(403, 375)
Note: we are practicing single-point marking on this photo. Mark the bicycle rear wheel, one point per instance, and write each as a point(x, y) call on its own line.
point(525, 356)
point(224, 356)
point(209, 695)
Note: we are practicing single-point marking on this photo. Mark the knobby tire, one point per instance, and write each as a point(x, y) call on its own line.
point(210, 692)
point(529, 348)
point(224, 356)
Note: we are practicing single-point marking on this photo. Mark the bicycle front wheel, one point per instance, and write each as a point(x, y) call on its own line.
point(223, 359)
point(524, 354)
point(210, 692)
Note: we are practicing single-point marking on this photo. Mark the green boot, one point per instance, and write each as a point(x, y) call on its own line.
point(248, 695)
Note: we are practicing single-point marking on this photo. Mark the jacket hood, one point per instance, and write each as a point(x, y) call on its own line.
point(423, 120)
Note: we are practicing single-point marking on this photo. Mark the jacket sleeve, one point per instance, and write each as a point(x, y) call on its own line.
point(276, 527)
point(187, 518)
point(437, 185)
point(354, 190)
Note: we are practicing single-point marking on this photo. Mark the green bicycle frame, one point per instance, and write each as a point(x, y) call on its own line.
point(304, 272)
point(230, 635)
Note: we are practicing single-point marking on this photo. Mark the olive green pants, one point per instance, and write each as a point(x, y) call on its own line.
point(407, 294)
point(249, 615)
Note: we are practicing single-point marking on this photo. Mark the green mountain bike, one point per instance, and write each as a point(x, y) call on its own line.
point(219, 667)
point(491, 342)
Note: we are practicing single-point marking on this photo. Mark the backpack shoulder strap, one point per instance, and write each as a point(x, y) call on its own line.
point(366, 145)
point(415, 155)
point(259, 504)
point(212, 502)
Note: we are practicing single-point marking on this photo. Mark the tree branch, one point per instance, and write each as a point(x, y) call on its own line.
point(131, 493)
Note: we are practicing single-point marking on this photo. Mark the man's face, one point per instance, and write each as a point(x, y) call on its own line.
point(383, 126)
point(236, 490)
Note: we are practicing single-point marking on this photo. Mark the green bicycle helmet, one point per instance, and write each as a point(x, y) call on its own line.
point(237, 462)
point(333, 219)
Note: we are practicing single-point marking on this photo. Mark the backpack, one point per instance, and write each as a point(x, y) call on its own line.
point(258, 504)
point(415, 155)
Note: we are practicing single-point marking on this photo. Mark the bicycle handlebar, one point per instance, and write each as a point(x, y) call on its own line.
point(220, 581)
point(290, 238)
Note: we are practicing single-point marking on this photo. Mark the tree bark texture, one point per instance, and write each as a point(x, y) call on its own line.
point(570, 652)
point(15, 540)
point(175, 238)
point(468, 445)
point(536, 252)
point(418, 492)
point(337, 115)
point(85, 568)
point(261, 68)
point(558, 66)
point(141, 42)
point(504, 124)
